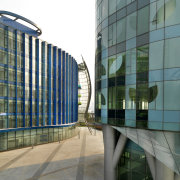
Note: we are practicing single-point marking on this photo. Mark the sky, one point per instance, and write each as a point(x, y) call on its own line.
point(68, 24)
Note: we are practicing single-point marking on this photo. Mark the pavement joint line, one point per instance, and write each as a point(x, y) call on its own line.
point(5, 166)
point(80, 169)
point(43, 166)
point(52, 172)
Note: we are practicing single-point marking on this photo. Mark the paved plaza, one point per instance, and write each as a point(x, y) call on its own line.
point(72, 159)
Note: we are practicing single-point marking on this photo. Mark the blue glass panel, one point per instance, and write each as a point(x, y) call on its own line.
point(156, 35)
point(172, 31)
point(130, 114)
point(54, 83)
point(104, 120)
point(67, 88)
point(156, 75)
point(131, 43)
point(171, 126)
point(69, 84)
point(130, 79)
point(130, 123)
point(37, 81)
point(171, 116)
point(172, 74)
point(104, 53)
point(155, 125)
point(105, 23)
point(49, 83)
point(154, 115)
point(63, 87)
point(16, 74)
point(59, 90)
point(104, 113)
point(43, 82)
point(24, 80)
point(171, 95)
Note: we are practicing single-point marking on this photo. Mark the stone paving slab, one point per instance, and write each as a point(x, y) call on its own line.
point(72, 159)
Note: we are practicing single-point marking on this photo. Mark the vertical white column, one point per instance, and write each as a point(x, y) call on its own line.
point(163, 172)
point(109, 144)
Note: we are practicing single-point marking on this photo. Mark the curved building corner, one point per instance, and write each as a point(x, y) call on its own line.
point(38, 87)
point(137, 87)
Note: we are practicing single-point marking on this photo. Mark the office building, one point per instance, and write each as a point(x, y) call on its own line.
point(137, 87)
point(38, 86)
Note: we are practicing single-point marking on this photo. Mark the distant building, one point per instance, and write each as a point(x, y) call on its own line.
point(137, 87)
point(84, 93)
point(38, 87)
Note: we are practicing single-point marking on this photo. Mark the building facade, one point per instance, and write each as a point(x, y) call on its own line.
point(137, 76)
point(38, 87)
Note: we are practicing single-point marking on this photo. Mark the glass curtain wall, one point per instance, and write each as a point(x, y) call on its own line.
point(136, 64)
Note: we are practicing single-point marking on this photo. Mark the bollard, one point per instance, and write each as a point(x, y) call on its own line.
point(79, 134)
point(95, 132)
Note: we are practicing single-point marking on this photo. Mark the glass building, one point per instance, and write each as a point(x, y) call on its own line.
point(137, 85)
point(38, 87)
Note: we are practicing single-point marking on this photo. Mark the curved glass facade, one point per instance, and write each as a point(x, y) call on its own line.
point(38, 89)
point(137, 63)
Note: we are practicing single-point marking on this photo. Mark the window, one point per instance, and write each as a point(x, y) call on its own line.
point(142, 59)
point(131, 61)
point(112, 6)
point(12, 76)
point(131, 26)
point(143, 20)
point(172, 15)
point(121, 4)
point(120, 97)
point(172, 54)
point(112, 98)
point(156, 55)
point(121, 30)
point(112, 66)
point(171, 95)
point(112, 35)
point(3, 89)
point(120, 64)
point(105, 38)
point(3, 73)
point(3, 57)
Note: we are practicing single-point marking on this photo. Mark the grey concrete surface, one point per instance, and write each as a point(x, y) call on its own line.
point(72, 159)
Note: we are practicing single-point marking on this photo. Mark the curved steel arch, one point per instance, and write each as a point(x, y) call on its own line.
point(39, 31)
point(83, 67)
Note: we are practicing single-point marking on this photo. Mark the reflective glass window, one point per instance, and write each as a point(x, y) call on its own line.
point(171, 95)
point(112, 6)
point(143, 20)
point(120, 64)
point(112, 34)
point(105, 38)
point(121, 30)
point(120, 97)
point(172, 13)
point(131, 61)
point(156, 55)
point(104, 9)
point(112, 66)
point(172, 54)
point(131, 26)
point(121, 4)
